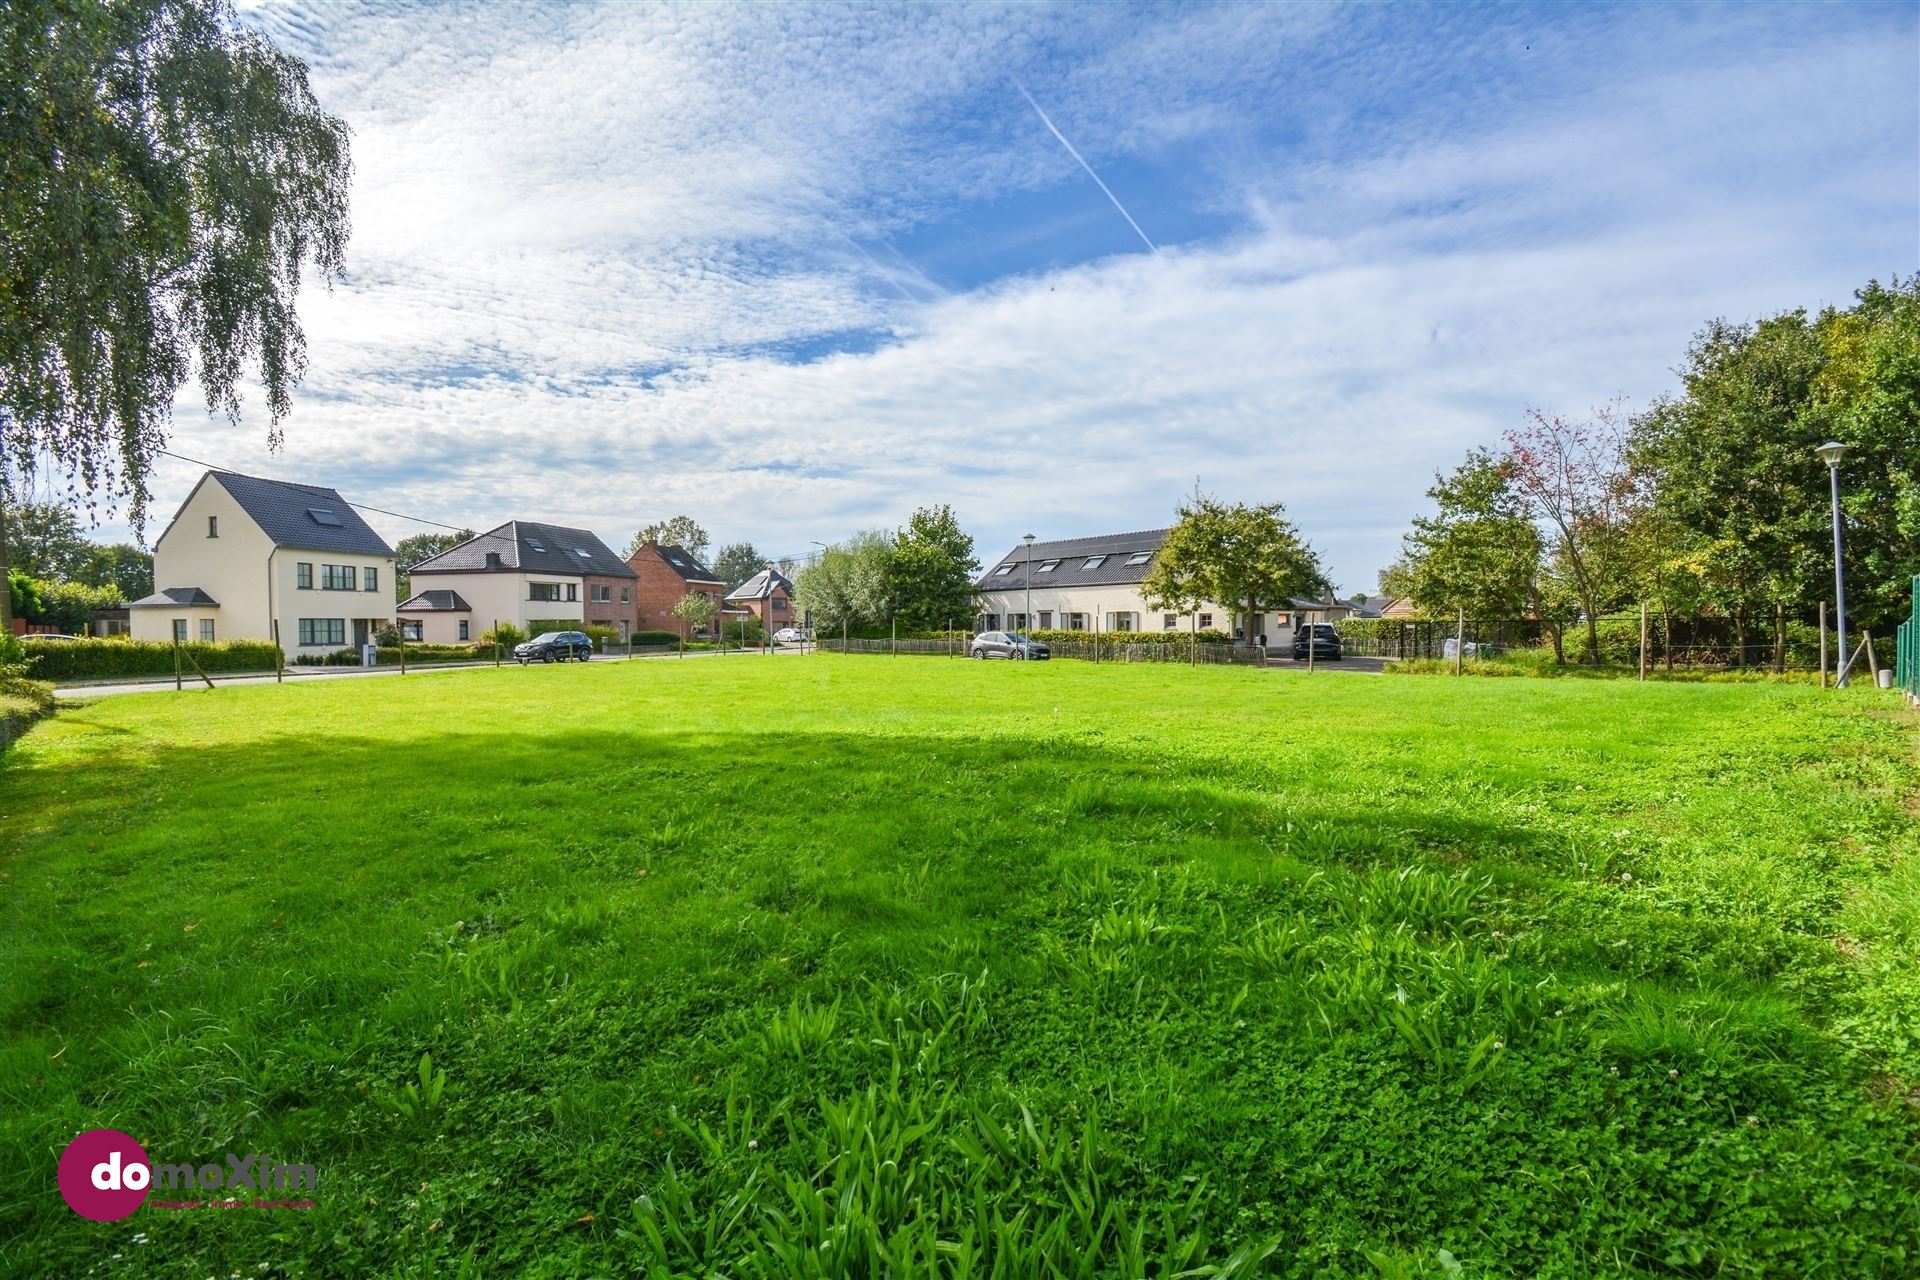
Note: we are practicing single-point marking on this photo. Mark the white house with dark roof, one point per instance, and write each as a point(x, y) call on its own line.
point(246, 553)
point(1093, 584)
point(521, 572)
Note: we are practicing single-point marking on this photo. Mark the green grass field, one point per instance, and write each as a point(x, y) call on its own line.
point(911, 967)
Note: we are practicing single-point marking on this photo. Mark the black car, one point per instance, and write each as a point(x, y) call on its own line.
point(555, 646)
point(1006, 644)
point(1324, 639)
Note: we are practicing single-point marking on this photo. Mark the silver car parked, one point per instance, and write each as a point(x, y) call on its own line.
point(1006, 644)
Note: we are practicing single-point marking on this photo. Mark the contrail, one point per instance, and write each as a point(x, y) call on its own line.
point(1052, 128)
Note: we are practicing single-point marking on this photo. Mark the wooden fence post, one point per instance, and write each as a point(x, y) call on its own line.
point(279, 655)
point(496, 642)
point(1643, 641)
point(176, 666)
point(1823, 644)
point(1459, 644)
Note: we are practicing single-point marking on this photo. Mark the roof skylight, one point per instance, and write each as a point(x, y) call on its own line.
point(1094, 562)
point(1140, 557)
point(322, 516)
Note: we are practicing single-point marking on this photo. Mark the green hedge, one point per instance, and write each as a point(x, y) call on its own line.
point(100, 659)
point(21, 703)
point(1057, 636)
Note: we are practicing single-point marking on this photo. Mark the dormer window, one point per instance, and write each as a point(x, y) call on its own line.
point(213, 526)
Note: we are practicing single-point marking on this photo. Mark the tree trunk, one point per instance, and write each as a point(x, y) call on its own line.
point(1666, 632)
point(1593, 636)
point(1779, 638)
point(6, 584)
point(1739, 637)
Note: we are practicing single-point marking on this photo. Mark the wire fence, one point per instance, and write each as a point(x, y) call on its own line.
point(1906, 660)
point(1670, 642)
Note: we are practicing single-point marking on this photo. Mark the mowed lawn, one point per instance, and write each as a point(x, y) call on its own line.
point(869, 966)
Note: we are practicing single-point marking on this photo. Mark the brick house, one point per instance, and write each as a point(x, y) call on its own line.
point(767, 596)
point(663, 575)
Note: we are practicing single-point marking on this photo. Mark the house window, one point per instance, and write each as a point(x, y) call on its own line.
point(213, 526)
point(1169, 621)
point(993, 622)
point(779, 604)
point(1094, 562)
point(1047, 566)
point(626, 595)
point(323, 631)
point(1282, 619)
point(1003, 571)
point(206, 631)
point(573, 591)
point(338, 577)
point(303, 576)
point(1139, 557)
point(1076, 622)
point(463, 629)
point(1017, 621)
point(1046, 619)
point(602, 595)
point(369, 578)
point(179, 630)
point(1206, 621)
point(549, 591)
point(1121, 621)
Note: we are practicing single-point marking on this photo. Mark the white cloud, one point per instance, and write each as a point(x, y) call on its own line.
point(595, 248)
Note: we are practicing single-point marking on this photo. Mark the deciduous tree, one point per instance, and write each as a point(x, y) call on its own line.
point(931, 570)
point(167, 179)
point(1236, 555)
point(676, 531)
point(737, 562)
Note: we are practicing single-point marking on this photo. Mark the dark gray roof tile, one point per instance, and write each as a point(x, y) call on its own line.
point(304, 516)
point(435, 602)
point(525, 546)
point(176, 597)
point(1110, 555)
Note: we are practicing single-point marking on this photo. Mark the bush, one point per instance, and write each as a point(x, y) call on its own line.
point(641, 638)
point(506, 635)
point(1057, 636)
point(605, 639)
point(540, 626)
point(744, 632)
point(22, 701)
point(100, 659)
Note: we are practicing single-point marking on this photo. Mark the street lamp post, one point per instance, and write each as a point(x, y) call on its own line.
point(1830, 453)
point(1027, 625)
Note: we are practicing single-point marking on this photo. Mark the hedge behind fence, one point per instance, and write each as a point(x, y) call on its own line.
point(91, 659)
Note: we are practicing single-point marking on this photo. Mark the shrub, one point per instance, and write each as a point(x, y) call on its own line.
point(99, 659)
point(22, 701)
point(744, 632)
point(641, 638)
point(539, 626)
point(506, 635)
point(1058, 636)
point(605, 639)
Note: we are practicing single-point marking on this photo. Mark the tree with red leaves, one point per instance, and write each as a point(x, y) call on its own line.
point(1576, 483)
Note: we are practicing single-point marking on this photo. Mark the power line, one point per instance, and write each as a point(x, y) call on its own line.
point(358, 506)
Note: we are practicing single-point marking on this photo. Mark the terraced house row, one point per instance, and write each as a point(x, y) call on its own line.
point(247, 558)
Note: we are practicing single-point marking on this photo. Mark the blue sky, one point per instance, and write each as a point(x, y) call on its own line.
point(795, 270)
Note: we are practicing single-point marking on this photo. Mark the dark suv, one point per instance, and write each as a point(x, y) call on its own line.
point(1324, 639)
point(555, 646)
point(1006, 644)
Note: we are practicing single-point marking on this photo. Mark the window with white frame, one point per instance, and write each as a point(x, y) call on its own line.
point(179, 630)
point(1123, 622)
point(206, 631)
point(1094, 562)
point(1047, 566)
point(1076, 622)
point(1168, 621)
point(1003, 571)
point(1139, 557)
point(1206, 621)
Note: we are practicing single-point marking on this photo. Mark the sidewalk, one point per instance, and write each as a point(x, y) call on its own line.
point(310, 675)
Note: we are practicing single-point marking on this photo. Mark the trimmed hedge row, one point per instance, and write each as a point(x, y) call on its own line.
point(91, 659)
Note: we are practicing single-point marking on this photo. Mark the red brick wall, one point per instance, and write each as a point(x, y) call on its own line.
point(659, 588)
point(783, 612)
point(611, 612)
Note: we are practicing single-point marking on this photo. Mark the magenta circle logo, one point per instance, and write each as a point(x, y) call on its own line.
point(104, 1175)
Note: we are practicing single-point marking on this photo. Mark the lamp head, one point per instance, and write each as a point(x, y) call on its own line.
point(1027, 538)
point(1830, 452)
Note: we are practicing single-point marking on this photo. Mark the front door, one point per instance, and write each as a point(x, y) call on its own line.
point(359, 632)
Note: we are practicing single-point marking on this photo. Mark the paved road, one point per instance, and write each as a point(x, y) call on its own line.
point(313, 675)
